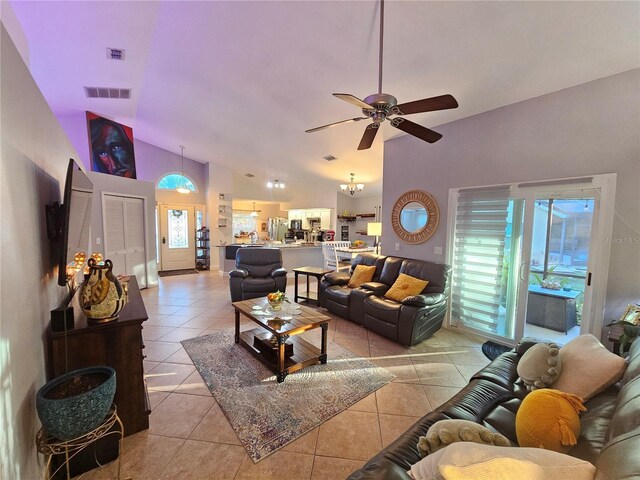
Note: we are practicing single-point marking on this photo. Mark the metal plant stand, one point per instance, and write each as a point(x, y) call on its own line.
point(50, 446)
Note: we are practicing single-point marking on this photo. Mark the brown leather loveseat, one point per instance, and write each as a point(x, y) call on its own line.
point(408, 322)
point(610, 428)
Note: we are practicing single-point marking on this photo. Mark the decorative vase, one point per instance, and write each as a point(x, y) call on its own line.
point(75, 403)
point(101, 295)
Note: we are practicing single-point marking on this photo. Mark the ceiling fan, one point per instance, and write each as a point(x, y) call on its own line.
point(380, 106)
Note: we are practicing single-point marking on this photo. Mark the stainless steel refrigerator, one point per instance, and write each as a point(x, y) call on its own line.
point(277, 227)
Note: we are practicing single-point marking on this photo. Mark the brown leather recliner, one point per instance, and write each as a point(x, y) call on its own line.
point(407, 322)
point(258, 272)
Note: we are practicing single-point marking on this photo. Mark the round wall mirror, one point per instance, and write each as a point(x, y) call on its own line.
point(415, 216)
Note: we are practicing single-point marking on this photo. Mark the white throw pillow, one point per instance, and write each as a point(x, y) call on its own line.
point(473, 461)
point(588, 367)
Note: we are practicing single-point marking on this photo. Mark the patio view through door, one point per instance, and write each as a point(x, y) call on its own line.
point(177, 237)
point(522, 260)
point(559, 258)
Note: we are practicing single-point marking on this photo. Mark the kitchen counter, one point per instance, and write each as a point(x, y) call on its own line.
point(293, 255)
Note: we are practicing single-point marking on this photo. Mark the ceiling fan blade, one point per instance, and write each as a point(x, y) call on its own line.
point(369, 135)
point(347, 97)
point(443, 102)
point(416, 130)
point(357, 119)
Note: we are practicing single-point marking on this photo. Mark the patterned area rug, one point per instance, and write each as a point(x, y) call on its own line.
point(267, 415)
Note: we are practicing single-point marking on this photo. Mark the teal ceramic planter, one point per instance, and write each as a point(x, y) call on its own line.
point(65, 413)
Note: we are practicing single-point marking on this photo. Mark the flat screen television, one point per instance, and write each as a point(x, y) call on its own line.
point(69, 224)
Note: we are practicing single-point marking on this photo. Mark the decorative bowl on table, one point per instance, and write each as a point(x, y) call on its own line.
point(276, 299)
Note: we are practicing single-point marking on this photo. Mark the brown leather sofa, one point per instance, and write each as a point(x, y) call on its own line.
point(610, 428)
point(408, 322)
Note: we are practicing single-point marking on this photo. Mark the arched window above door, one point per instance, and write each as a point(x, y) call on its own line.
point(175, 180)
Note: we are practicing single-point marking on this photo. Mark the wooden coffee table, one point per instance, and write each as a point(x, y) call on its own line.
point(276, 341)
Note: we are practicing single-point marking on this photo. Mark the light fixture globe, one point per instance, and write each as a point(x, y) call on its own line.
point(275, 184)
point(352, 187)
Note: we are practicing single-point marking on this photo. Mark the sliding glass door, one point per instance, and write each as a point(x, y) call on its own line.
point(560, 251)
point(522, 259)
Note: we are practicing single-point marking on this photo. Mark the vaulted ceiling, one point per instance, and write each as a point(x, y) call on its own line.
point(238, 82)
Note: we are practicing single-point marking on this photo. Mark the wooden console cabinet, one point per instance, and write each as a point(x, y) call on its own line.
point(117, 344)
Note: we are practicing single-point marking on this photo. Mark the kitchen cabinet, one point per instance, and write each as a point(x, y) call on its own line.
point(324, 214)
point(325, 219)
point(296, 215)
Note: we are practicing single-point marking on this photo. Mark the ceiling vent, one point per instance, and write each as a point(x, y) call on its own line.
point(330, 158)
point(115, 53)
point(249, 175)
point(104, 92)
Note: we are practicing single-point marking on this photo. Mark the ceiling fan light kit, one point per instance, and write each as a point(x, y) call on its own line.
point(380, 106)
point(275, 184)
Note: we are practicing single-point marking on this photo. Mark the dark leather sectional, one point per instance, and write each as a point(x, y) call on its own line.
point(610, 428)
point(415, 319)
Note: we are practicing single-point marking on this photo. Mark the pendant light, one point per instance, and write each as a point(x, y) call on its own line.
point(352, 187)
point(254, 213)
point(182, 188)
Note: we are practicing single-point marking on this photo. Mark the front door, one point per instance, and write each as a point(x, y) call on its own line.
point(177, 237)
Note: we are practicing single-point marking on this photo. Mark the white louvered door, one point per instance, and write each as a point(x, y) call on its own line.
point(124, 236)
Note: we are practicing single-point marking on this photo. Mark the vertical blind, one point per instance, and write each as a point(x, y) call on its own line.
point(479, 246)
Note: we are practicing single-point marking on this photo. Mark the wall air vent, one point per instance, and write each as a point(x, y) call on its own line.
point(104, 92)
point(330, 158)
point(115, 53)
point(249, 175)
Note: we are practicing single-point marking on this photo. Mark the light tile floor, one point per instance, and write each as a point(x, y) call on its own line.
point(189, 436)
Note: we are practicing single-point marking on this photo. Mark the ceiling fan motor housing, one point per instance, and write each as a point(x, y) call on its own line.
point(381, 106)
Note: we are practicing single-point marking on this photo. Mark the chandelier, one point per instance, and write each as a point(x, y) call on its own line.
point(352, 187)
point(275, 184)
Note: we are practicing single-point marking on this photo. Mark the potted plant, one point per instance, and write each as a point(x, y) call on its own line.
point(630, 331)
point(630, 322)
point(75, 403)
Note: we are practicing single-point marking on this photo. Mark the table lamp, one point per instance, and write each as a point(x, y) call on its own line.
point(374, 229)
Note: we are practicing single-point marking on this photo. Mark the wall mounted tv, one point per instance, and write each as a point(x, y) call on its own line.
point(68, 225)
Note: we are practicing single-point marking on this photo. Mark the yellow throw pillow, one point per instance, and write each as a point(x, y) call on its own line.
point(549, 419)
point(361, 274)
point(405, 286)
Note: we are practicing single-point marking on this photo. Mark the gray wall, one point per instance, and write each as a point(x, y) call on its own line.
point(34, 155)
point(584, 130)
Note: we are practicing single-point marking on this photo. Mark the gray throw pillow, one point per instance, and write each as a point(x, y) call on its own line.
point(540, 366)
